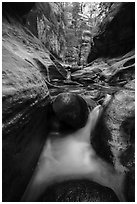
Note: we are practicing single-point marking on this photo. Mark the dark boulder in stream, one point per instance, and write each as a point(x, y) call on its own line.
point(79, 191)
point(71, 109)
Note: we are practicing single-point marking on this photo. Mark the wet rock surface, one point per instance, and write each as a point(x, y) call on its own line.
point(119, 131)
point(113, 71)
point(79, 191)
point(123, 132)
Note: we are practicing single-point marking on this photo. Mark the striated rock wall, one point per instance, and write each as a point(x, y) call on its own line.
point(26, 70)
point(44, 19)
point(116, 35)
point(24, 99)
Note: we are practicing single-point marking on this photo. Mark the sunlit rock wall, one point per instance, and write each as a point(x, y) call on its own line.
point(85, 46)
point(45, 20)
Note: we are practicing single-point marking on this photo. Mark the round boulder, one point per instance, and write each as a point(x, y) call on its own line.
point(71, 109)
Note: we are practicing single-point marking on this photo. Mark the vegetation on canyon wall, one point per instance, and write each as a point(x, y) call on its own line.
point(67, 29)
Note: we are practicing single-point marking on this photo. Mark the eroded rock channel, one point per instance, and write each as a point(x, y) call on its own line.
point(35, 70)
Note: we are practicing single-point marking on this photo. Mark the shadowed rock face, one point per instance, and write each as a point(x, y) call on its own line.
point(116, 36)
point(18, 8)
point(21, 150)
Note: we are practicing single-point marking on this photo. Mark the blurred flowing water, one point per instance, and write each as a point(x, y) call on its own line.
point(83, 190)
point(80, 190)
